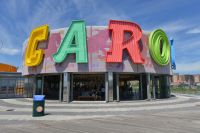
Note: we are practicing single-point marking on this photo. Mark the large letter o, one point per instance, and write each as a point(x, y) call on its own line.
point(159, 47)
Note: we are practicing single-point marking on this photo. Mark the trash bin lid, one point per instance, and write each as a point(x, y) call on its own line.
point(38, 97)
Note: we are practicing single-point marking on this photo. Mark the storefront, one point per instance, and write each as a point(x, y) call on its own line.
point(12, 83)
point(98, 63)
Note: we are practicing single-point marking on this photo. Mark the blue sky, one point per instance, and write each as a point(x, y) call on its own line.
point(180, 19)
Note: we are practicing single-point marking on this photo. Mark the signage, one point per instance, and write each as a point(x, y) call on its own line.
point(124, 36)
point(118, 28)
point(73, 42)
point(33, 56)
point(159, 47)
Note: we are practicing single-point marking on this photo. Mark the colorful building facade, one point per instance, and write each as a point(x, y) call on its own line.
point(103, 63)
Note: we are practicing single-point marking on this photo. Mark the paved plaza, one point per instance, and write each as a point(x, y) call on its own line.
point(177, 114)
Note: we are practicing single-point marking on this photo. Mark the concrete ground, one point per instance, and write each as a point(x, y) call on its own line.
point(180, 114)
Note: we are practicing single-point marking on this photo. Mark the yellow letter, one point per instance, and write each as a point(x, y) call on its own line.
point(33, 56)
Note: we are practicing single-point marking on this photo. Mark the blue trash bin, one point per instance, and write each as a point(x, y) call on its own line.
point(38, 105)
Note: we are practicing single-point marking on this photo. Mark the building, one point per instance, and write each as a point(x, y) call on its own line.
point(12, 82)
point(196, 78)
point(178, 79)
point(7, 68)
point(86, 63)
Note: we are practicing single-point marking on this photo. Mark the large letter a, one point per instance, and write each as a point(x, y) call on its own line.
point(73, 42)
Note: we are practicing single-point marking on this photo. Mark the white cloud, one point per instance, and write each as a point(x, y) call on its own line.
point(43, 12)
point(193, 67)
point(51, 12)
point(63, 11)
point(149, 8)
point(98, 12)
point(186, 45)
point(9, 51)
point(174, 26)
point(194, 31)
point(7, 46)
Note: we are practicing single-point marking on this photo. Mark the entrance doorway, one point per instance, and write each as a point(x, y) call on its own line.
point(88, 87)
point(51, 87)
point(129, 87)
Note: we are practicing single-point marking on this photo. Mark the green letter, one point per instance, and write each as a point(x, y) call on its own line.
point(159, 47)
point(73, 42)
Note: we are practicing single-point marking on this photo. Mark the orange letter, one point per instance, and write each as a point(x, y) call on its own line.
point(33, 56)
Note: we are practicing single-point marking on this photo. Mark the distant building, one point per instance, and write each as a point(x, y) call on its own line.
point(12, 82)
point(197, 78)
point(7, 68)
point(178, 79)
